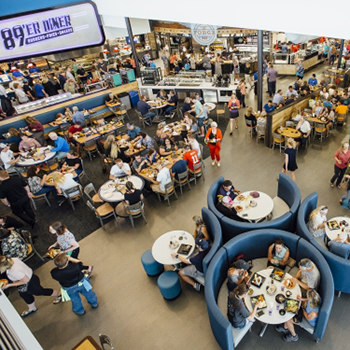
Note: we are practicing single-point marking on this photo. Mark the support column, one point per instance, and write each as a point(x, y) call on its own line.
point(260, 69)
point(133, 48)
point(340, 52)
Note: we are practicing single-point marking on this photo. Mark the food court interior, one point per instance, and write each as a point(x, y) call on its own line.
point(131, 309)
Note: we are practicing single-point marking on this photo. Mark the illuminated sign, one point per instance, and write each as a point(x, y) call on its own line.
point(43, 32)
point(204, 34)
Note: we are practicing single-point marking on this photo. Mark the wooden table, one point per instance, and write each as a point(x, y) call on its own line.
point(289, 132)
point(134, 151)
point(109, 129)
point(88, 343)
point(175, 128)
point(57, 123)
point(316, 120)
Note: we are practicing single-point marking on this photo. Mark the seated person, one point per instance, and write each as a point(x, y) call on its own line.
point(10, 223)
point(73, 161)
point(336, 96)
point(192, 141)
point(227, 189)
point(324, 94)
point(308, 276)
point(76, 127)
point(145, 140)
point(225, 207)
point(111, 99)
point(184, 133)
point(7, 157)
point(305, 128)
point(340, 246)
point(27, 143)
point(162, 94)
point(172, 104)
point(179, 166)
point(133, 131)
point(152, 156)
point(61, 145)
point(186, 107)
point(201, 231)
point(318, 221)
point(330, 116)
point(261, 120)
point(119, 169)
point(195, 264)
point(305, 88)
point(37, 185)
point(13, 245)
point(278, 98)
point(313, 81)
point(310, 311)
point(132, 195)
point(237, 312)
point(237, 276)
point(291, 92)
point(269, 107)
point(290, 100)
point(250, 115)
point(328, 102)
point(140, 163)
point(191, 157)
point(143, 107)
point(64, 182)
point(163, 178)
point(341, 109)
point(168, 148)
point(346, 99)
point(318, 109)
point(278, 254)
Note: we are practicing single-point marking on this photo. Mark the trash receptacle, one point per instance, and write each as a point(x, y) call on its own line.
point(125, 99)
point(134, 97)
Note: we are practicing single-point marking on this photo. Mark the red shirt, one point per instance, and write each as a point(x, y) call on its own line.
point(36, 126)
point(343, 157)
point(191, 157)
point(72, 129)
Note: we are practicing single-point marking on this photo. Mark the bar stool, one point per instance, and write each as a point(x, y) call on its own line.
point(169, 285)
point(151, 266)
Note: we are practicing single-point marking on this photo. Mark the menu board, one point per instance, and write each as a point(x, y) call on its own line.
point(50, 30)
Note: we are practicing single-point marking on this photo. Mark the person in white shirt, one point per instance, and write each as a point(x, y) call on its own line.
point(64, 182)
point(318, 221)
point(305, 128)
point(20, 94)
point(291, 92)
point(163, 178)
point(194, 144)
point(119, 169)
point(3, 91)
point(7, 156)
point(278, 98)
point(13, 82)
point(69, 75)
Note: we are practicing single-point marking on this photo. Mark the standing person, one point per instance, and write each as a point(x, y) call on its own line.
point(218, 70)
point(20, 94)
point(192, 62)
point(234, 107)
point(332, 51)
point(69, 272)
point(272, 75)
point(28, 90)
point(341, 157)
point(65, 239)
point(213, 138)
point(69, 74)
point(255, 77)
point(290, 163)
point(15, 194)
point(199, 110)
point(39, 90)
point(241, 85)
point(165, 60)
point(27, 283)
point(62, 79)
point(247, 72)
point(300, 71)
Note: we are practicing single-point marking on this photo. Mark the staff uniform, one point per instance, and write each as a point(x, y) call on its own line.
point(214, 143)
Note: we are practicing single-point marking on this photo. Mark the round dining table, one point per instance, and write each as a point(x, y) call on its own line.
point(333, 233)
point(289, 132)
point(162, 251)
point(113, 190)
point(273, 317)
point(263, 208)
point(23, 162)
point(211, 106)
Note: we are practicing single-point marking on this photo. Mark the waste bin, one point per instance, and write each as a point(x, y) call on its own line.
point(134, 97)
point(125, 99)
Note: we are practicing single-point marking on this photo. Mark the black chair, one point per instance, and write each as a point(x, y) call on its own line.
point(105, 340)
point(27, 237)
point(73, 194)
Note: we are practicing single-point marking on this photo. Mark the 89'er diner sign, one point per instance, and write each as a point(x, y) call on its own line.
point(44, 32)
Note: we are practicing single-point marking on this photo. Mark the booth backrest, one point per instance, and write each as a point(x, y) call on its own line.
point(339, 266)
point(211, 196)
point(254, 244)
point(214, 229)
point(326, 287)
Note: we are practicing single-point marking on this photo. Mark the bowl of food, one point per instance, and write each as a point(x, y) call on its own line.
point(280, 298)
point(288, 293)
point(253, 204)
point(250, 291)
point(289, 283)
point(238, 207)
point(282, 312)
point(240, 198)
point(3, 283)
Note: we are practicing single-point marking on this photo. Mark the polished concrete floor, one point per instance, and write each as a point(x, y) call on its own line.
point(131, 310)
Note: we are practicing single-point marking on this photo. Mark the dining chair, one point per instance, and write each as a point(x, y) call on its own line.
point(51, 165)
point(83, 173)
point(90, 188)
point(182, 180)
point(221, 112)
point(260, 132)
point(250, 127)
point(36, 198)
point(143, 121)
point(122, 112)
point(102, 212)
point(136, 211)
point(27, 237)
point(105, 340)
point(72, 194)
point(90, 147)
point(341, 118)
point(278, 140)
point(197, 171)
point(169, 191)
point(320, 129)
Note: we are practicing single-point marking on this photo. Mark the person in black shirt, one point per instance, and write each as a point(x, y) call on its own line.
point(10, 223)
point(15, 193)
point(132, 195)
point(102, 66)
point(62, 79)
point(290, 100)
point(111, 98)
point(195, 264)
point(29, 78)
point(69, 273)
point(28, 90)
point(49, 87)
point(82, 74)
point(225, 207)
point(73, 161)
point(172, 104)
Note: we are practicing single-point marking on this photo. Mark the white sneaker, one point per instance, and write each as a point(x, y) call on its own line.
point(197, 287)
point(213, 162)
point(218, 164)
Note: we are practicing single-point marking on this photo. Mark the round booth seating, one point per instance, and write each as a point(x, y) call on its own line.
point(339, 266)
point(284, 214)
point(169, 285)
point(254, 244)
point(151, 266)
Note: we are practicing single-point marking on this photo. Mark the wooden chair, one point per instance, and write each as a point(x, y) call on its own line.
point(278, 140)
point(290, 123)
point(38, 198)
point(95, 198)
point(260, 132)
point(197, 171)
point(183, 180)
point(320, 129)
point(143, 121)
point(72, 194)
point(51, 165)
point(102, 212)
point(98, 119)
point(341, 118)
point(105, 340)
point(135, 211)
point(221, 112)
point(122, 113)
point(169, 191)
point(27, 237)
point(90, 147)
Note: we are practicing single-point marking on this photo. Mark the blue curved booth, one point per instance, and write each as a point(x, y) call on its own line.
point(254, 245)
point(340, 267)
point(287, 190)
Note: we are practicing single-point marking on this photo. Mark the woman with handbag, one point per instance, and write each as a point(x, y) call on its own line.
point(213, 139)
point(27, 283)
point(234, 106)
point(341, 157)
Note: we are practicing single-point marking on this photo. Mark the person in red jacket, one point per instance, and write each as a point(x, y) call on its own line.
point(213, 139)
point(191, 157)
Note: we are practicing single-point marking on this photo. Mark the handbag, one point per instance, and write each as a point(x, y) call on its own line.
point(344, 184)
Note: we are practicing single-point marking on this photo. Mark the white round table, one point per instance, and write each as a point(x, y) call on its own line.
point(332, 234)
point(263, 208)
point(210, 106)
point(29, 162)
point(108, 192)
point(154, 104)
point(275, 318)
point(161, 250)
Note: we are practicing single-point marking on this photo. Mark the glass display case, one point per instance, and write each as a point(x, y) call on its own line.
point(45, 102)
point(198, 74)
point(151, 76)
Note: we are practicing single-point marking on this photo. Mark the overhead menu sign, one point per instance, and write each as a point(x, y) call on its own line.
point(46, 31)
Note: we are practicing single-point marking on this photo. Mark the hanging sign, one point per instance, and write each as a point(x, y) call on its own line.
point(204, 34)
point(54, 29)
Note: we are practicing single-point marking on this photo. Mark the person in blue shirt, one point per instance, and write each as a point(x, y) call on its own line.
point(143, 107)
point(152, 155)
point(328, 103)
point(227, 189)
point(255, 78)
point(78, 116)
point(269, 107)
point(39, 90)
point(17, 74)
point(179, 166)
point(300, 71)
point(187, 65)
point(152, 64)
point(34, 69)
point(133, 131)
point(313, 81)
point(61, 145)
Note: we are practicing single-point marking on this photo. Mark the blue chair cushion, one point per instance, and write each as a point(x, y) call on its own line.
point(151, 266)
point(340, 249)
point(169, 285)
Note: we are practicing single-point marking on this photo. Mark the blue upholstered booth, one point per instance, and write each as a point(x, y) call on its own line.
point(287, 190)
point(254, 244)
point(340, 267)
point(214, 229)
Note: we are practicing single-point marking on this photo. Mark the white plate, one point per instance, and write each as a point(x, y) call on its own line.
point(108, 195)
point(105, 187)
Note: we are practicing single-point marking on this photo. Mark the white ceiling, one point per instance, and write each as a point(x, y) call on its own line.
point(306, 17)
